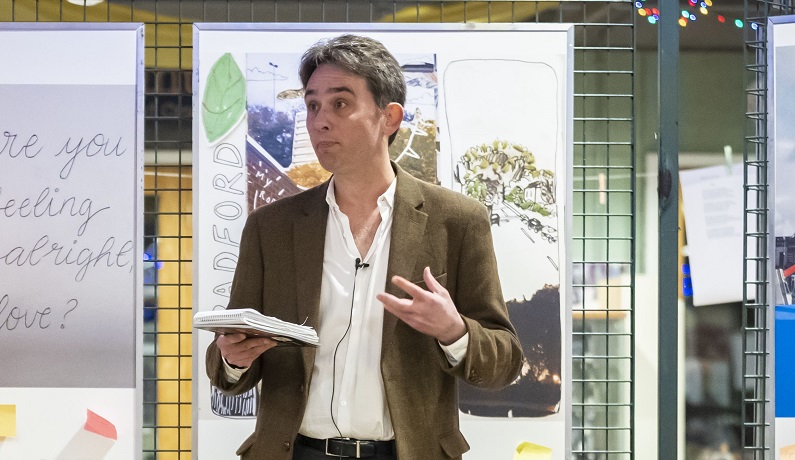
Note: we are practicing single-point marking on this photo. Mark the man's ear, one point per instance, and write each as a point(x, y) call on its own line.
point(393, 116)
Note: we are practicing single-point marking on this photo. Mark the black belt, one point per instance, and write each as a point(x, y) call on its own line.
point(346, 447)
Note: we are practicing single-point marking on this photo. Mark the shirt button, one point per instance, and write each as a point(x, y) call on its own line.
point(286, 445)
point(343, 403)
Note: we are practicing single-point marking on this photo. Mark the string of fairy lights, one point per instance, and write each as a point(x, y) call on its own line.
point(697, 10)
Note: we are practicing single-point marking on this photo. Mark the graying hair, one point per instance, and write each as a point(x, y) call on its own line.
point(361, 56)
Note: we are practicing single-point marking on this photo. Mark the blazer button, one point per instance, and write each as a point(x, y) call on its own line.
point(301, 388)
point(286, 445)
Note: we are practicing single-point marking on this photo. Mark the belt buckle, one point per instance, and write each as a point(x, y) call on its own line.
point(358, 448)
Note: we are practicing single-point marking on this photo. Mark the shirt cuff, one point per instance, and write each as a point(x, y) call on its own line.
point(456, 351)
point(232, 374)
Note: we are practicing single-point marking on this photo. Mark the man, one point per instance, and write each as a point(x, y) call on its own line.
point(381, 384)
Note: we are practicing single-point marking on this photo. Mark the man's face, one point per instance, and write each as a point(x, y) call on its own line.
point(346, 127)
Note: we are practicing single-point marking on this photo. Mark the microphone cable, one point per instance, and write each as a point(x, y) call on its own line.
point(357, 265)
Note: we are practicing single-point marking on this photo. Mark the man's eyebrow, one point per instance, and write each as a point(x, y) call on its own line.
point(333, 89)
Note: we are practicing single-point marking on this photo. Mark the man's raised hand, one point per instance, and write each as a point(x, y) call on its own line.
point(431, 312)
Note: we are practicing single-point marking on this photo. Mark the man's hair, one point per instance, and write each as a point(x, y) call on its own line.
point(361, 56)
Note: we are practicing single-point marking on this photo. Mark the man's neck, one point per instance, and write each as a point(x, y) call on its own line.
point(360, 192)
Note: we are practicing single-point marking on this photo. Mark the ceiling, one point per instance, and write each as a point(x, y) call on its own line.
point(704, 34)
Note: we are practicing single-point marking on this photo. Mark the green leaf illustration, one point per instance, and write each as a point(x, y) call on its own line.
point(224, 97)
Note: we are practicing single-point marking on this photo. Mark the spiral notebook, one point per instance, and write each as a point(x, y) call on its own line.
point(254, 324)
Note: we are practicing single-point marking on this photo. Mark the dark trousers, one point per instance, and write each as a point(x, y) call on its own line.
point(302, 452)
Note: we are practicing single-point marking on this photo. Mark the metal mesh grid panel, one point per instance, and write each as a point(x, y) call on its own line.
point(602, 247)
point(757, 411)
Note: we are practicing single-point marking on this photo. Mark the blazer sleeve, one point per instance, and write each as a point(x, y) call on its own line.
point(247, 288)
point(494, 353)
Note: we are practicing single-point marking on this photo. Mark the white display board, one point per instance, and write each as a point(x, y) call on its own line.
point(71, 220)
point(472, 90)
point(781, 152)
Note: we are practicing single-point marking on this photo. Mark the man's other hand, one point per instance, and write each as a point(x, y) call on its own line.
point(240, 350)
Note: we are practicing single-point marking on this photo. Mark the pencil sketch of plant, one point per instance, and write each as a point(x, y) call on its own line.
point(503, 176)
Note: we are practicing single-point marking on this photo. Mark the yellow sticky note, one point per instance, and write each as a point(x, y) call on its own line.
point(8, 420)
point(530, 451)
point(787, 452)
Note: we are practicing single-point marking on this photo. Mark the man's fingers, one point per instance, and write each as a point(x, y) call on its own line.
point(410, 288)
point(234, 338)
point(262, 343)
point(245, 352)
point(433, 285)
point(393, 303)
point(406, 285)
point(231, 343)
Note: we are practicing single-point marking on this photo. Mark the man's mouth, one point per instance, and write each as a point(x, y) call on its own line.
point(324, 144)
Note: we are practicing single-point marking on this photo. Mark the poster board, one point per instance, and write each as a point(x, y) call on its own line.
point(472, 91)
point(71, 215)
point(781, 276)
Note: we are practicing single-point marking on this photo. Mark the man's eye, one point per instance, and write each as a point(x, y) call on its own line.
point(341, 104)
point(311, 106)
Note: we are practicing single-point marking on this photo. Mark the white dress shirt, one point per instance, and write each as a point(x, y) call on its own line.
point(346, 379)
point(346, 395)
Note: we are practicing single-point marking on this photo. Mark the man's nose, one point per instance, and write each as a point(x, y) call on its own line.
point(320, 120)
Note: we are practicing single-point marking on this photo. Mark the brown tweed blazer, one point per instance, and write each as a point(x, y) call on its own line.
point(279, 272)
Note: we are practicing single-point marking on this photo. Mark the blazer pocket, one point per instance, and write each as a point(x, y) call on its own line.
point(441, 279)
point(454, 444)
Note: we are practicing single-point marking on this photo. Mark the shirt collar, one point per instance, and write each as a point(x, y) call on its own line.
point(387, 199)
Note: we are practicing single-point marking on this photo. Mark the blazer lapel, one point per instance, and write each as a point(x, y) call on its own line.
point(309, 236)
point(408, 228)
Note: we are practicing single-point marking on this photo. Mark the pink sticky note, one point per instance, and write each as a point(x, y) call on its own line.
point(100, 426)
